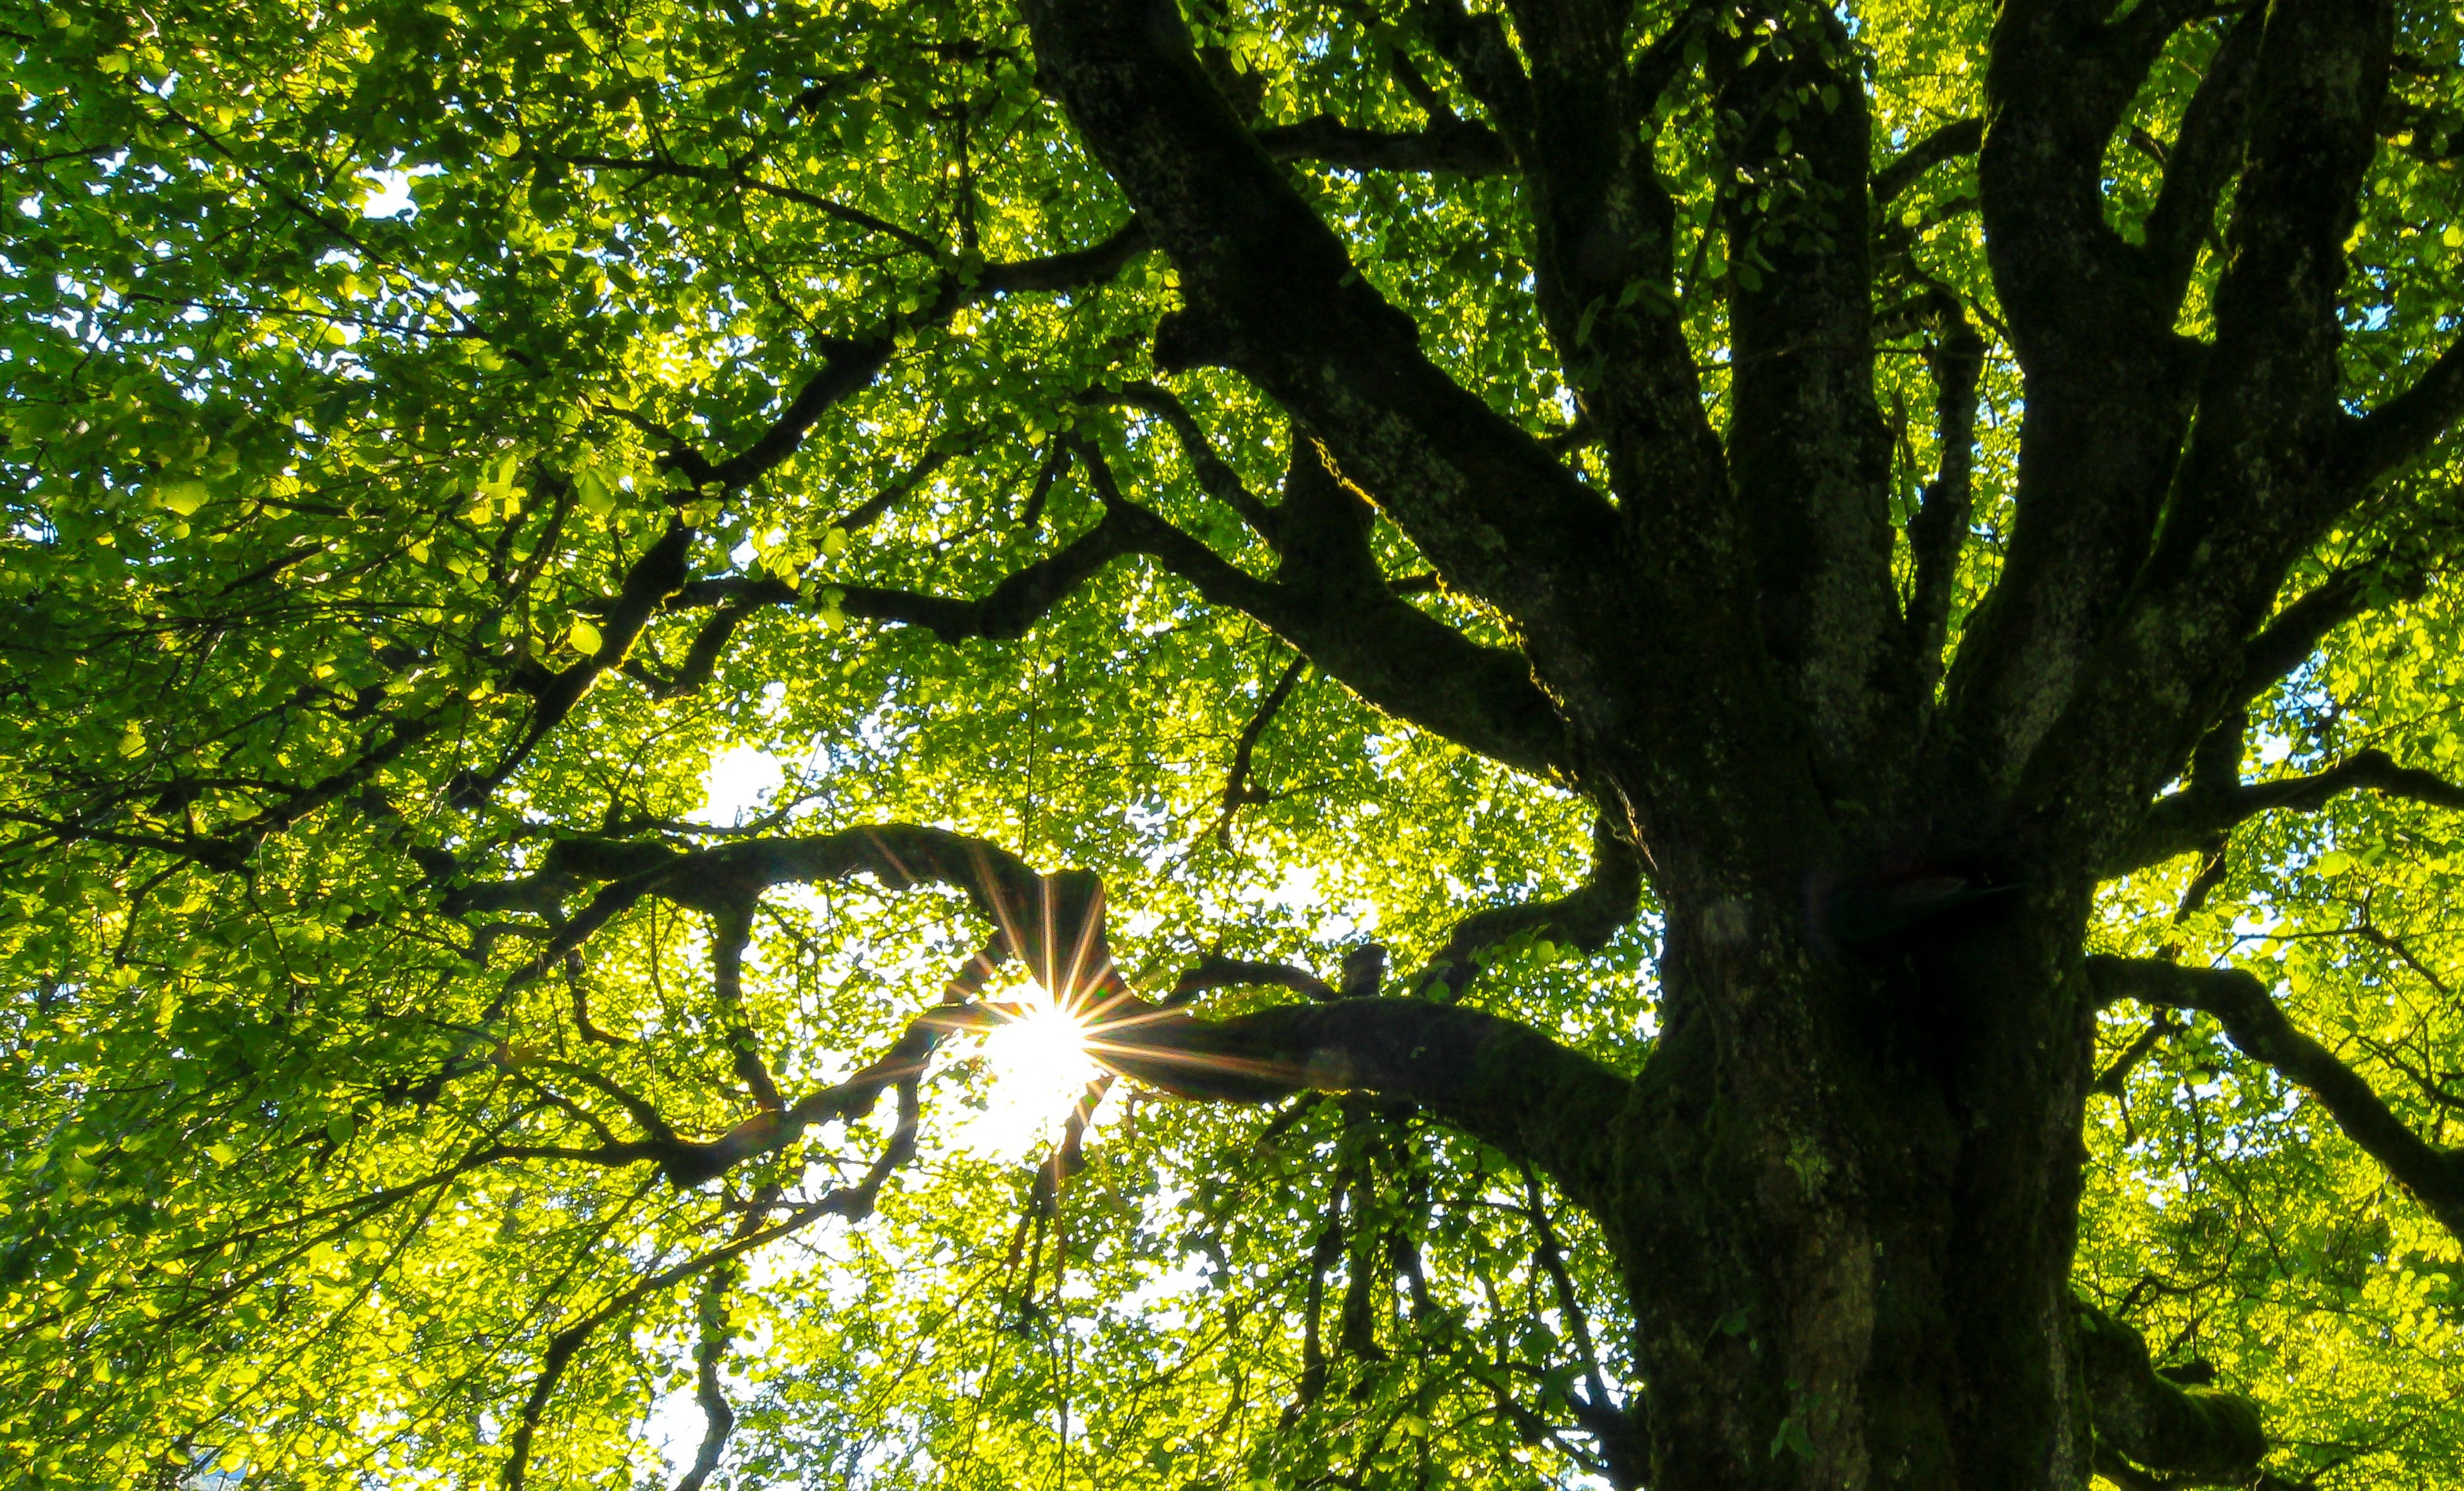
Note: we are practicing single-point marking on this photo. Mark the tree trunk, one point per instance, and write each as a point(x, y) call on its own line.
point(1850, 1189)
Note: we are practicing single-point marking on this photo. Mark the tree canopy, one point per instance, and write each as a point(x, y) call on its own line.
point(1358, 743)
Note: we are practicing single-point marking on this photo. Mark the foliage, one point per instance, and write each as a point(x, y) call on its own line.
point(439, 433)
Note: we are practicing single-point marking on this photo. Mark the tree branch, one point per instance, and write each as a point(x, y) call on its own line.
point(2434, 1176)
point(2199, 1435)
point(1215, 971)
point(1359, 632)
point(849, 364)
point(733, 176)
point(1938, 531)
point(1220, 481)
point(1010, 607)
point(2409, 423)
point(1588, 918)
point(1501, 1082)
point(1269, 290)
point(719, 1416)
point(2190, 819)
point(1457, 147)
point(1958, 138)
point(2205, 156)
point(647, 584)
point(1238, 792)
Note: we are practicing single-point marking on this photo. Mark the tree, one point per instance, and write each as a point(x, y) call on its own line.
point(1736, 720)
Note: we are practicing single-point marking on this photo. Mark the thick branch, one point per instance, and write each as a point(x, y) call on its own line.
point(1499, 1081)
point(2287, 642)
point(2190, 819)
point(1958, 138)
point(1587, 918)
point(2205, 155)
point(1270, 291)
point(1938, 529)
point(2406, 425)
point(1456, 146)
point(2199, 1435)
point(1365, 637)
point(1010, 607)
point(2434, 1176)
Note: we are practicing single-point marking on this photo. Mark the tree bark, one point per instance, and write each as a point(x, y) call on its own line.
point(1847, 1202)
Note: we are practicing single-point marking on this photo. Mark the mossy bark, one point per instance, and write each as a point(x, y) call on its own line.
point(1846, 1199)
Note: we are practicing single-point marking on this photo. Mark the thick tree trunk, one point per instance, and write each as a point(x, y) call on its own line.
point(1849, 1200)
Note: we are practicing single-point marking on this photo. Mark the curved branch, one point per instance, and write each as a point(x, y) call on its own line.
point(1239, 791)
point(1215, 971)
point(2190, 819)
point(1587, 918)
point(2435, 1176)
point(1958, 138)
point(1500, 1081)
point(1214, 473)
point(1010, 607)
point(2200, 1435)
point(1363, 634)
point(2408, 425)
point(1368, 639)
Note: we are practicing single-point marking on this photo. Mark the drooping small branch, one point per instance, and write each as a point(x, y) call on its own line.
point(2434, 1176)
point(1625, 1452)
point(1239, 791)
point(647, 584)
point(1214, 473)
point(1587, 918)
point(2190, 819)
point(2115, 1080)
point(719, 1416)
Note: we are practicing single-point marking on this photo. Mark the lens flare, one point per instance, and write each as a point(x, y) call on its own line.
point(1038, 1066)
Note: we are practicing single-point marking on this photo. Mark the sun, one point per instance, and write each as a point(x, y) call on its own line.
point(1039, 1066)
